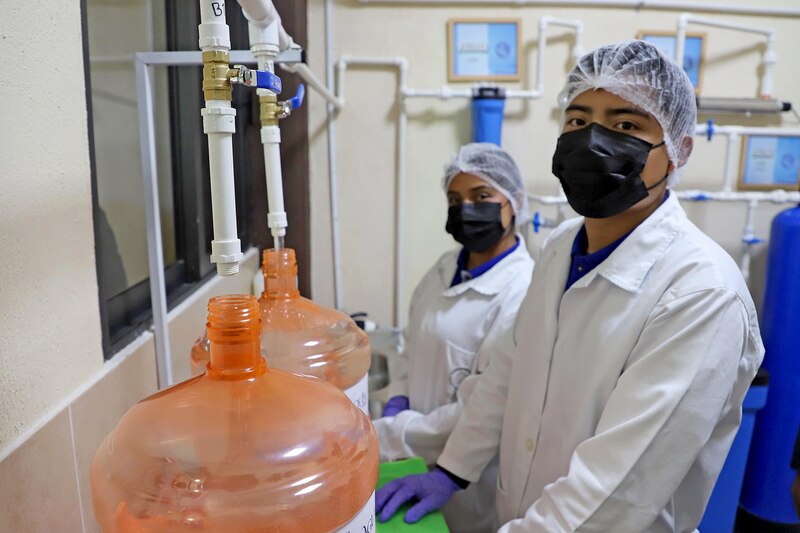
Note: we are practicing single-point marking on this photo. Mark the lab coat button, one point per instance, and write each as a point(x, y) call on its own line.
point(529, 444)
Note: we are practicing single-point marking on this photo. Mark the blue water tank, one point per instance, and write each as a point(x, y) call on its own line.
point(766, 502)
point(721, 510)
point(487, 114)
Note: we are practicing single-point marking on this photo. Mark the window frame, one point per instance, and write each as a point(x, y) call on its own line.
point(125, 315)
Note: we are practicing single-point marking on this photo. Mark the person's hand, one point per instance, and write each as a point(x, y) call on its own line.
point(796, 494)
point(395, 405)
point(432, 490)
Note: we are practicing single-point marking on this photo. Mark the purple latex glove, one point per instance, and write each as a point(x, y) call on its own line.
point(433, 490)
point(395, 405)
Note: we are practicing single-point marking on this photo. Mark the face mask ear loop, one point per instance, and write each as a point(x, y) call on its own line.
point(662, 180)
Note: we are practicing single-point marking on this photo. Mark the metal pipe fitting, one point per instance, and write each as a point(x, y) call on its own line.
point(216, 75)
point(271, 110)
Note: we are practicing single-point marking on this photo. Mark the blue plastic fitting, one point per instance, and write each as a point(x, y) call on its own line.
point(297, 100)
point(268, 80)
point(537, 222)
point(710, 131)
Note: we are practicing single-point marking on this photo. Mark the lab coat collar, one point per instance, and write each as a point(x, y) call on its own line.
point(628, 265)
point(491, 282)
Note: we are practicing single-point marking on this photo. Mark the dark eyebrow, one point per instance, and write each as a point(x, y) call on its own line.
point(574, 107)
point(629, 111)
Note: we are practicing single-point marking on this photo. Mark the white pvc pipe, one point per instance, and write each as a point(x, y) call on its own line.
point(276, 218)
point(302, 70)
point(443, 93)
point(730, 161)
point(213, 30)
point(332, 181)
point(447, 93)
point(402, 66)
point(702, 129)
point(696, 195)
point(638, 5)
point(264, 44)
point(748, 236)
point(577, 51)
point(769, 59)
point(219, 125)
point(703, 21)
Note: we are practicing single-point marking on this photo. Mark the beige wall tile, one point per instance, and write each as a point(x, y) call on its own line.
point(99, 409)
point(38, 489)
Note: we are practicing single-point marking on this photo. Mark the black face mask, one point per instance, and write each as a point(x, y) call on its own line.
point(476, 226)
point(600, 170)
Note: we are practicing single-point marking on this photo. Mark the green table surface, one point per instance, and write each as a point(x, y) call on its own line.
point(432, 523)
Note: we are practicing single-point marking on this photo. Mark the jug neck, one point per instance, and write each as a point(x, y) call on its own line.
point(234, 332)
point(280, 274)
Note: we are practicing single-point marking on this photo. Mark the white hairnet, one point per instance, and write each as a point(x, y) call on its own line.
point(495, 166)
point(641, 74)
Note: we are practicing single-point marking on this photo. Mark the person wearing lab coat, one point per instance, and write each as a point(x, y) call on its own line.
point(462, 306)
point(616, 397)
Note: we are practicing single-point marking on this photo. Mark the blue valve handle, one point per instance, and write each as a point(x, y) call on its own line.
point(710, 131)
point(297, 100)
point(268, 80)
point(536, 222)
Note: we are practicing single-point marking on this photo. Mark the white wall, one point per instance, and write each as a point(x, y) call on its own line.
point(366, 134)
point(49, 322)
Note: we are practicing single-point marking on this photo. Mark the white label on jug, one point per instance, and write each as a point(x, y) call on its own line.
point(364, 522)
point(359, 394)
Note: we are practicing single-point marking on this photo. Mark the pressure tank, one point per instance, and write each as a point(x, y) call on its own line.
point(766, 502)
point(303, 337)
point(240, 448)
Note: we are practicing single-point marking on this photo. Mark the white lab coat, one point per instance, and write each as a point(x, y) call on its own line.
point(449, 332)
point(623, 398)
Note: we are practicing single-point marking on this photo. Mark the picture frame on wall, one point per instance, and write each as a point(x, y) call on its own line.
point(693, 55)
point(769, 162)
point(483, 49)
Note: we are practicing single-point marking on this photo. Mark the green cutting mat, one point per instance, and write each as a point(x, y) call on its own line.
point(432, 523)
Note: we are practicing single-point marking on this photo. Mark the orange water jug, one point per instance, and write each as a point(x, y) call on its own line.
point(303, 337)
point(239, 448)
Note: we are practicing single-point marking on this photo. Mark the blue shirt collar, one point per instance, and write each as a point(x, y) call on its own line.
point(583, 263)
point(464, 274)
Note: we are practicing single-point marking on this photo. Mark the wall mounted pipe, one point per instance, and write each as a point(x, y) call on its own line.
point(697, 195)
point(401, 64)
point(332, 179)
point(307, 75)
point(749, 239)
point(336, 86)
point(768, 60)
point(638, 5)
point(447, 93)
point(734, 135)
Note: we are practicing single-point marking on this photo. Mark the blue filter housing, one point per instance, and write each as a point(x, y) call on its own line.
point(487, 114)
point(720, 514)
point(766, 501)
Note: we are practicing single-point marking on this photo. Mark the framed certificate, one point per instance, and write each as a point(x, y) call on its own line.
point(769, 162)
point(483, 49)
point(693, 54)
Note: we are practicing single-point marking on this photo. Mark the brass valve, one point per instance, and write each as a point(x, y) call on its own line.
point(216, 75)
point(271, 110)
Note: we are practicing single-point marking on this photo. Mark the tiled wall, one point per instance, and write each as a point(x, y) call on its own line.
point(44, 483)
